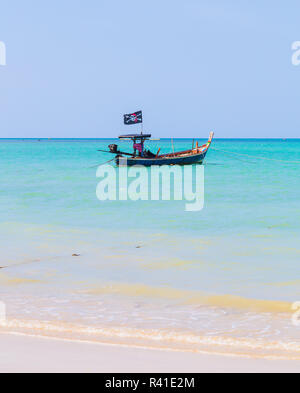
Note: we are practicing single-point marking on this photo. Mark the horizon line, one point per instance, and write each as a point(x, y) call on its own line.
point(165, 138)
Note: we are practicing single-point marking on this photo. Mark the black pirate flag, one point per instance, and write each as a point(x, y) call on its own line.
point(133, 118)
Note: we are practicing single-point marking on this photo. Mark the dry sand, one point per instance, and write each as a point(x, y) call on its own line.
point(28, 354)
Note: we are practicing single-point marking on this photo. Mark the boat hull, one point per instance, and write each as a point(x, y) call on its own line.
point(186, 160)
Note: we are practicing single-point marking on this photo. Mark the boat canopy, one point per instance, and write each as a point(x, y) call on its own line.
point(135, 136)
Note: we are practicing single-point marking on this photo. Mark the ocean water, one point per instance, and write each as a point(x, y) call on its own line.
point(149, 273)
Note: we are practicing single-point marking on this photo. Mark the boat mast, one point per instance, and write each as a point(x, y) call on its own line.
point(142, 140)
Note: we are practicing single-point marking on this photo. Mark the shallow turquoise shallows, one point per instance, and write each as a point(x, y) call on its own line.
point(50, 182)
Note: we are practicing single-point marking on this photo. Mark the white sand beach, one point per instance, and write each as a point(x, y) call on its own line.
point(27, 354)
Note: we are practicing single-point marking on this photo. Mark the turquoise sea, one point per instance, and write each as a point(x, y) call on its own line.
point(150, 273)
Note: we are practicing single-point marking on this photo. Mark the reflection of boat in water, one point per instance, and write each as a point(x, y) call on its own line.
point(141, 156)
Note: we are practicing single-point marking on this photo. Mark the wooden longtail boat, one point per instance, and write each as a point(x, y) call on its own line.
point(141, 156)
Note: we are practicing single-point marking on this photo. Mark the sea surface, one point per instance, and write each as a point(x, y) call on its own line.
point(149, 273)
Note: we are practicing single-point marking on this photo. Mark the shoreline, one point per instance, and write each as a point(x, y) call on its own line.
point(157, 340)
point(23, 353)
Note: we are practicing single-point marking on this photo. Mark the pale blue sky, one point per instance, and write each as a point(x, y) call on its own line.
point(74, 67)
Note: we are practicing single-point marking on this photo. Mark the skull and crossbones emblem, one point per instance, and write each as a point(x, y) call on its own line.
point(133, 118)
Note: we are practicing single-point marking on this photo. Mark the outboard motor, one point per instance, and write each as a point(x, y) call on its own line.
point(113, 148)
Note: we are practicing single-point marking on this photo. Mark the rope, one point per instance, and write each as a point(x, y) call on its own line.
point(229, 154)
point(258, 157)
point(106, 162)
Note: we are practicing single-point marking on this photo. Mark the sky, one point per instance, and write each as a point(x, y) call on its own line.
point(75, 67)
